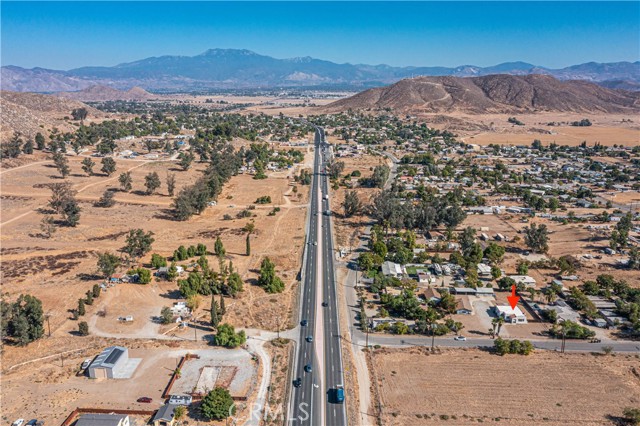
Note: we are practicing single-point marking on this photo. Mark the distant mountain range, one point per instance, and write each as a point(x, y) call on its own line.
point(243, 69)
point(499, 93)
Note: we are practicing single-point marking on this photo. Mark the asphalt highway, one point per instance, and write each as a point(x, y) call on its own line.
point(314, 400)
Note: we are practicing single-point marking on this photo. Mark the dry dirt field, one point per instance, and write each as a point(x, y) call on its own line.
point(462, 386)
point(61, 269)
point(494, 128)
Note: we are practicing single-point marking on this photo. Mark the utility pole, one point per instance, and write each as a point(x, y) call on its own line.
point(433, 335)
point(195, 331)
point(48, 324)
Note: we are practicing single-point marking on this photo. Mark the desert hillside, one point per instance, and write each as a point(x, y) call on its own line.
point(29, 113)
point(498, 93)
point(100, 93)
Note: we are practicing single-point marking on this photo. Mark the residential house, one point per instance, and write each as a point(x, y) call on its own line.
point(463, 305)
point(511, 315)
point(524, 279)
point(391, 269)
point(165, 415)
point(90, 419)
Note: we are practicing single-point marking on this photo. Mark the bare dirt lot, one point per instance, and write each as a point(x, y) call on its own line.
point(607, 129)
point(462, 386)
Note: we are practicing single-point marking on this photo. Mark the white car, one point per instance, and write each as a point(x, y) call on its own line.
point(460, 338)
point(18, 422)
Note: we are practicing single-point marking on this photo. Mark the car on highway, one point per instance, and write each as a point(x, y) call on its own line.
point(308, 368)
point(309, 339)
point(460, 338)
point(297, 382)
point(304, 323)
point(325, 304)
point(145, 399)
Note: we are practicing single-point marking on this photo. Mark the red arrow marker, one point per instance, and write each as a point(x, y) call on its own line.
point(513, 299)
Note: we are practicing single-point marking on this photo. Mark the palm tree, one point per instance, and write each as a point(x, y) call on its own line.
point(532, 293)
point(551, 297)
point(497, 323)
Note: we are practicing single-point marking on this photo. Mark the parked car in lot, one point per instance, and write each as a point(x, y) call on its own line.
point(32, 422)
point(460, 338)
point(145, 399)
point(18, 422)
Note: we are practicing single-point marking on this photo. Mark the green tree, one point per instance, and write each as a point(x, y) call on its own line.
point(166, 316)
point(28, 146)
point(171, 184)
point(138, 243)
point(83, 328)
point(108, 166)
point(87, 165)
point(79, 113)
point(234, 284)
point(158, 261)
point(495, 253)
point(81, 309)
point(537, 237)
point(107, 264)
point(218, 248)
point(62, 164)
point(215, 318)
point(96, 290)
point(522, 267)
point(126, 183)
point(223, 308)
point(152, 182)
point(144, 275)
point(268, 278)
point(40, 142)
point(185, 159)
point(172, 273)
point(632, 415)
point(249, 228)
point(620, 236)
point(71, 211)
point(106, 200)
point(227, 337)
point(352, 204)
point(217, 405)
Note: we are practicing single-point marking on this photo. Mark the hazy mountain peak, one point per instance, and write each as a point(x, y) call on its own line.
point(228, 52)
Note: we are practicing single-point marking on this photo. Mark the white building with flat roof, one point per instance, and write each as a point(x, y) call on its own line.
point(510, 315)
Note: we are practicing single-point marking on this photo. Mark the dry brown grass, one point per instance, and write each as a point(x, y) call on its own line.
point(459, 386)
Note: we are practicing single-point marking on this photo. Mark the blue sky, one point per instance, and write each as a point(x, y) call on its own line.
point(64, 35)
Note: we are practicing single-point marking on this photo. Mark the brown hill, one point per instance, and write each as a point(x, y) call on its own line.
point(499, 93)
point(29, 113)
point(100, 93)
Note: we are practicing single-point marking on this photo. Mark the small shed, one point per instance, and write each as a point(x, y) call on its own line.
point(109, 363)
